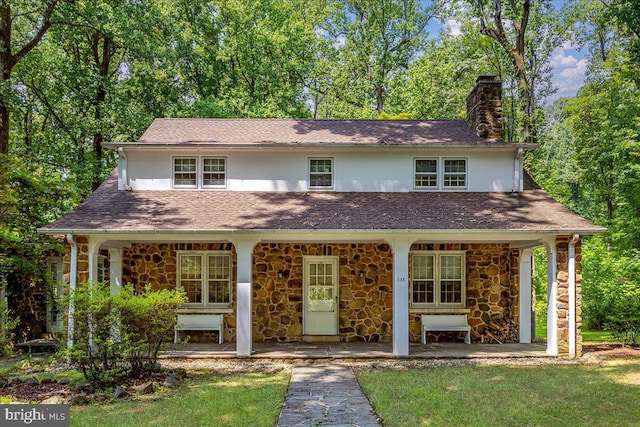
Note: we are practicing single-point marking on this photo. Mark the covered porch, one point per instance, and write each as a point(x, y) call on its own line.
point(355, 350)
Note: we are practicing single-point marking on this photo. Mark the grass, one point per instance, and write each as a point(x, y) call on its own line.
point(564, 395)
point(249, 399)
point(588, 337)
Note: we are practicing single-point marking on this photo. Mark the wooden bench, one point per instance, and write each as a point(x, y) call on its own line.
point(445, 322)
point(200, 322)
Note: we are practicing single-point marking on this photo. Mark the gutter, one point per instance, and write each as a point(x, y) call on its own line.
point(491, 144)
point(517, 168)
point(73, 277)
point(125, 165)
point(587, 231)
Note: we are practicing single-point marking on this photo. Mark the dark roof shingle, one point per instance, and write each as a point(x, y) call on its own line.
point(166, 131)
point(148, 211)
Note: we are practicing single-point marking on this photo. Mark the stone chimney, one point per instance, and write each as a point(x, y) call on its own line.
point(484, 107)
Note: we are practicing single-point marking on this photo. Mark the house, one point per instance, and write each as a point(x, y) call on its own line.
point(345, 230)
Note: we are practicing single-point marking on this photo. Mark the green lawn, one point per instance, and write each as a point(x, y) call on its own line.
point(562, 395)
point(250, 399)
point(588, 337)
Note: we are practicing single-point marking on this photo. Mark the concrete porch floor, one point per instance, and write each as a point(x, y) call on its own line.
point(296, 350)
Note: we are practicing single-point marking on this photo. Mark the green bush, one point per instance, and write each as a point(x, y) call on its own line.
point(119, 335)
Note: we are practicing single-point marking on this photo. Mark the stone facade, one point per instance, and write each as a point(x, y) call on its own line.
point(365, 302)
point(155, 264)
point(365, 287)
point(484, 107)
point(492, 290)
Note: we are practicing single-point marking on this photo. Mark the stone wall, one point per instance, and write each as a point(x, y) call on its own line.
point(492, 290)
point(484, 107)
point(365, 302)
point(155, 264)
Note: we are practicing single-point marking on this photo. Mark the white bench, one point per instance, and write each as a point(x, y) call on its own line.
point(200, 322)
point(445, 322)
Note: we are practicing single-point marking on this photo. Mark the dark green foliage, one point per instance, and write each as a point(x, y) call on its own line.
point(119, 335)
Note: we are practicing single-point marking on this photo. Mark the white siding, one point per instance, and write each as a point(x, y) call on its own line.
point(287, 170)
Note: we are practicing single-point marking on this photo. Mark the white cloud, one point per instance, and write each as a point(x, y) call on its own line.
point(454, 27)
point(568, 70)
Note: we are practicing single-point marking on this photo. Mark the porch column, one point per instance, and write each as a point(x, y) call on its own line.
point(401, 250)
point(115, 269)
point(94, 249)
point(552, 297)
point(524, 293)
point(573, 329)
point(244, 251)
point(73, 280)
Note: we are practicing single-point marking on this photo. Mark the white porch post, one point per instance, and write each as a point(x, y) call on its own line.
point(244, 251)
point(115, 269)
point(401, 297)
point(94, 249)
point(73, 280)
point(552, 297)
point(115, 280)
point(573, 347)
point(525, 295)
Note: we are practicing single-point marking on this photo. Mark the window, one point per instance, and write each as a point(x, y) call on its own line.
point(103, 269)
point(184, 173)
point(455, 173)
point(320, 173)
point(426, 173)
point(205, 277)
point(437, 279)
point(214, 173)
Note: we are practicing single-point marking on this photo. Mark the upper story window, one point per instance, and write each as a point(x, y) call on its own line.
point(438, 279)
point(321, 173)
point(195, 172)
point(205, 277)
point(185, 173)
point(426, 173)
point(214, 172)
point(437, 173)
point(455, 173)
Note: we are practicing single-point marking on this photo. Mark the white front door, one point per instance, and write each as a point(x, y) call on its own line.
point(320, 315)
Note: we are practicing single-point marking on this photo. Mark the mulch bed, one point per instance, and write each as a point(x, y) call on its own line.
point(606, 350)
point(25, 392)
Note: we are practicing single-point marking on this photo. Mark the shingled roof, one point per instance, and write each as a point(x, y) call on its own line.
point(273, 132)
point(111, 210)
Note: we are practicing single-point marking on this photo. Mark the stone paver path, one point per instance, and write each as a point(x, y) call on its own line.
point(325, 395)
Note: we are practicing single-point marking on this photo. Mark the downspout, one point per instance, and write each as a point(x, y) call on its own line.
point(573, 347)
point(125, 166)
point(517, 167)
point(73, 275)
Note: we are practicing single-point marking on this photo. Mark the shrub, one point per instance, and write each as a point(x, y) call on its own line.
point(118, 335)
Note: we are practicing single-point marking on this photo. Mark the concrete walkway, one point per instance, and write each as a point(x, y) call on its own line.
point(325, 395)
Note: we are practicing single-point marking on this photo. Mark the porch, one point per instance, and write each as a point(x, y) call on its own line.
point(354, 350)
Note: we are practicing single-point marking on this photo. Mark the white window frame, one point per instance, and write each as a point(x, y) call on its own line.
point(416, 173)
point(103, 270)
point(332, 173)
point(224, 172)
point(437, 279)
point(173, 172)
point(445, 173)
point(55, 306)
point(440, 174)
point(205, 277)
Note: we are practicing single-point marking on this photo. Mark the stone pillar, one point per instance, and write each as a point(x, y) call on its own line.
point(552, 296)
point(401, 250)
point(524, 293)
point(574, 331)
point(484, 107)
point(244, 251)
point(73, 279)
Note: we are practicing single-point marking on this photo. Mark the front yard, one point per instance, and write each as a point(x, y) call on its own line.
point(589, 394)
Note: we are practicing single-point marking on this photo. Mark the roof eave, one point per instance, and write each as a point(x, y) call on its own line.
point(199, 144)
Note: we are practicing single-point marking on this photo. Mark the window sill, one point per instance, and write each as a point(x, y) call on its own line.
point(440, 310)
point(205, 310)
